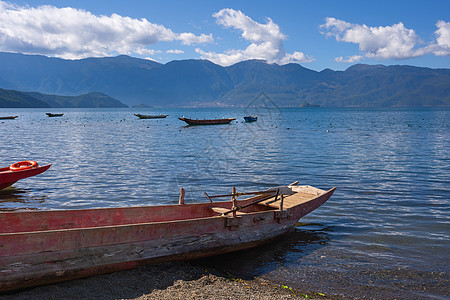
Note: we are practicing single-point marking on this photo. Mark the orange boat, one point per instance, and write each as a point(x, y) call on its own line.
point(20, 170)
point(42, 247)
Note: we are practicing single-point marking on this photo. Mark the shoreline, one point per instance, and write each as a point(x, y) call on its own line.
point(172, 280)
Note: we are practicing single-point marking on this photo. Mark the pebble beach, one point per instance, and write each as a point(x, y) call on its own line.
point(174, 280)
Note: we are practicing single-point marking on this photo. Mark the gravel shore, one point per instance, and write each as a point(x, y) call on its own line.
point(174, 280)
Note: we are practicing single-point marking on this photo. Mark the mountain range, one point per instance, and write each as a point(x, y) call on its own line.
point(202, 83)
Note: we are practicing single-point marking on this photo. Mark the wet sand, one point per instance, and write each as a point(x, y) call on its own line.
point(175, 280)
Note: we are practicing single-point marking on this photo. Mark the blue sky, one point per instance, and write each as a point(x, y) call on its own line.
point(315, 34)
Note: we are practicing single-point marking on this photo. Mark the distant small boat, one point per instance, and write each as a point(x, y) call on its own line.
point(150, 116)
point(249, 119)
point(8, 118)
point(206, 121)
point(54, 115)
point(20, 170)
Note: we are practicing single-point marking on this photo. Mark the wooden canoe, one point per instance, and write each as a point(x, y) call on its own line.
point(150, 116)
point(42, 247)
point(207, 121)
point(54, 115)
point(8, 177)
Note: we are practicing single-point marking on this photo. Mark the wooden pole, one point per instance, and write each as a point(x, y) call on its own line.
point(276, 198)
point(244, 206)
point(233, 200)
point(182, 194)
point(210, 201)
point(243, 194)
point(281, 202)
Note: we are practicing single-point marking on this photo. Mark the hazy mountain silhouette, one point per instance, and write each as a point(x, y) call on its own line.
point(202, 83)
point(12, 98)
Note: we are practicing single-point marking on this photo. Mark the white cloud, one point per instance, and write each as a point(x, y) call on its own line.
point(175, 51)
point(145, 51)
point(75, 33)
point(387, 42)
point(266, 41)
point(349, 59)
point(442, 45)
point(394, 41)
point(188, 38)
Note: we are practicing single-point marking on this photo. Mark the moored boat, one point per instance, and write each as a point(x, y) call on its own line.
point(20, 170)
point(54, 115)
point(8, 118)
point(150, 116)
point(249, 119)
point(207, 121)
point(41, 247)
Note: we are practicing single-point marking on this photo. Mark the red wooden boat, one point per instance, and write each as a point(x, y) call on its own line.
point(150, 116)
point(51, 115)
point(41, 247)
point(206, 121)
point(9, 175)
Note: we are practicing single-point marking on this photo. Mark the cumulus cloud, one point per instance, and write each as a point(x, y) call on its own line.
point(386, 42)
point(75, 33)
point(266, 41)
point(442, 45)
point(394, 41)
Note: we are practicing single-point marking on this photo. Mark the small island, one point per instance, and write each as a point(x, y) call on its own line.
point(309, 105)
point(142, 105)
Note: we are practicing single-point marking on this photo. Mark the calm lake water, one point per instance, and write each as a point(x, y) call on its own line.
point(383, 234)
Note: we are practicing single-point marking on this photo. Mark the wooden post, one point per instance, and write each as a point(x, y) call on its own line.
point(281, 202)
point(233, 200)
point(182, 193)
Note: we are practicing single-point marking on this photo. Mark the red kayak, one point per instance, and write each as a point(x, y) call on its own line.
point(20, 170)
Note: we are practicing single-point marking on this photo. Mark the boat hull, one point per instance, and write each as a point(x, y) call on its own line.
point(150, 116)
point(54, 253)
point(8, 177)
point(207, 122)
point(250, 119)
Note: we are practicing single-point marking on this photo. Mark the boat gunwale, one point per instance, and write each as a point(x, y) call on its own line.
point(7, 169)
point(208, 205)
point(148, 206)
point(132, 224)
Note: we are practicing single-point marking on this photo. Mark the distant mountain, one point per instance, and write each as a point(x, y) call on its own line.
point(16, 99)
point(381, 86)
point(91, 100)
point(203, 83)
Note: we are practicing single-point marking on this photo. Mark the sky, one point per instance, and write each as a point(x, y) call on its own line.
point(315, 34)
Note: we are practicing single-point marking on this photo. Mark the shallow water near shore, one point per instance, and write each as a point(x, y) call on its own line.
point(384, 233)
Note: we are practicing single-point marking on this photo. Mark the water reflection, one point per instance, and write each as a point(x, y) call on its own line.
point(283, 252)
point(14, 199)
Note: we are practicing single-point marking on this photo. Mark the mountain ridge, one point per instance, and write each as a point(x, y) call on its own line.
point(17, 99)
point(197, 82)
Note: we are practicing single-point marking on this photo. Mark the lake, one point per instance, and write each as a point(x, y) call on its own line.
point(383, 234)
